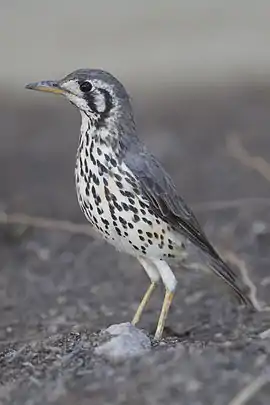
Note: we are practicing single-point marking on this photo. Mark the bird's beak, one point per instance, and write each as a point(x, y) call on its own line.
point(49, 86)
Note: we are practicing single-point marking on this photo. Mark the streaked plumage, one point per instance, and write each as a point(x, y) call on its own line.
point(123, 189)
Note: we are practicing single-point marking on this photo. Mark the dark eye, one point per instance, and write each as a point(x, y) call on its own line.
point(85, 87)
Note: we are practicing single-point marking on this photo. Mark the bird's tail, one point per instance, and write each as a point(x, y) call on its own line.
point(221, 269)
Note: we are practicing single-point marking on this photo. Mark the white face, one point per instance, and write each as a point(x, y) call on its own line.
point(89, 96)
point(95, 92)
point(74, 94)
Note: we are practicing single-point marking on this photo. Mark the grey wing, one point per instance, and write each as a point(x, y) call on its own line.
point(158, 187)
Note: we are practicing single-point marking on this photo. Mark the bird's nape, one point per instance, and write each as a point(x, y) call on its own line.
point(93, 91)
point(123, 190)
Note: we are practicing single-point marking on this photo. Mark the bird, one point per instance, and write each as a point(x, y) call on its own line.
point(124, 191)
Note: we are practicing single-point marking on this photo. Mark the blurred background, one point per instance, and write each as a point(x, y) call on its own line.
point(199, 76)
point(146, 43)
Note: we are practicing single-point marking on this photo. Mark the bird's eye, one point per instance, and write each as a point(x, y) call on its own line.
point(85, 87)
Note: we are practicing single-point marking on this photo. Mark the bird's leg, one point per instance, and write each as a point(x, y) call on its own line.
point(170, 283)
point(163, 314)
point(154, 276)
point(143, 303)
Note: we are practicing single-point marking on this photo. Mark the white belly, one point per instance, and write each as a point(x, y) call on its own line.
point(116, 209)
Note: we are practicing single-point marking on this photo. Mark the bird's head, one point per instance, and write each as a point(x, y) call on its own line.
point(96, 93)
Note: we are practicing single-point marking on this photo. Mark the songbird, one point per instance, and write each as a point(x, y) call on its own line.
point(123, 190)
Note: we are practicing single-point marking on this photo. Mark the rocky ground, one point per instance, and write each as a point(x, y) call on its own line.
point(59, 288)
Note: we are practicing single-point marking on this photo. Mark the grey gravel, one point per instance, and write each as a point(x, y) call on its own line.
point(59, 291)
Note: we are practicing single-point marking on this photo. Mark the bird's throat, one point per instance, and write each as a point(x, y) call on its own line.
point(105, 138)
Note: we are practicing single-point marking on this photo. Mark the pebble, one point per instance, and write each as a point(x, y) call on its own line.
point(126, 342)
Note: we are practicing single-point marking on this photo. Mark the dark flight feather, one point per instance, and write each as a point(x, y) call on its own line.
point(158, 188)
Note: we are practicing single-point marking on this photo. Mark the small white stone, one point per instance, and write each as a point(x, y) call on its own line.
point(258, 227)
point(127, 341)
point(265, 334)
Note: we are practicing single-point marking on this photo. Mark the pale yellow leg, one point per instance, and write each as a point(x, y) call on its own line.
point(163, 314)
point(144, 301)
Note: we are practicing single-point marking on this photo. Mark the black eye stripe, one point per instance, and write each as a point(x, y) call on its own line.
point(108, 100)
point(85, 86)
point(90, 99)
